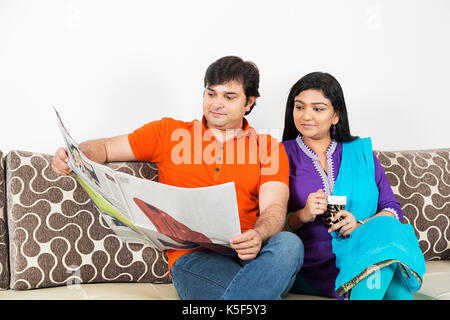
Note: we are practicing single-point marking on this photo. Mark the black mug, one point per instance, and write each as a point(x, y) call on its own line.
point(335, 204)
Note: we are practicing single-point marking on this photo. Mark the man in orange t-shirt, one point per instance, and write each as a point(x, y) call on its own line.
point(220, 148)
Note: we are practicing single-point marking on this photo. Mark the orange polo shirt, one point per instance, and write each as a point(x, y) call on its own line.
point(188, 155)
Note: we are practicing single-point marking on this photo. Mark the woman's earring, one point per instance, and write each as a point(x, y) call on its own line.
point(334, 130)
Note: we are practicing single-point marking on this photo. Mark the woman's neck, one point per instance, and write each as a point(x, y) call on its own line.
point(319, 146)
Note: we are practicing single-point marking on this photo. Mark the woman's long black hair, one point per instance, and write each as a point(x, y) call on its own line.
point(332, 90)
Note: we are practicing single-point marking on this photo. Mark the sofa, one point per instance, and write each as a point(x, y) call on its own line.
point(55, 245)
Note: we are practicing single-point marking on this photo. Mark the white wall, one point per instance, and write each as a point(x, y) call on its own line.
point(111, 66)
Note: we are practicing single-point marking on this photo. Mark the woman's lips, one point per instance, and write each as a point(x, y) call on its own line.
point(307, 125)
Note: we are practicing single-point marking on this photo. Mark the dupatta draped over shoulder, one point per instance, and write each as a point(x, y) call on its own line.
point(380, 241)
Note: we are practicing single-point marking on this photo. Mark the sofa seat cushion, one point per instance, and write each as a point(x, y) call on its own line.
point(436, 285)
point(112, 291)
point(97, 291)
point(436, 281)
point(57, 236)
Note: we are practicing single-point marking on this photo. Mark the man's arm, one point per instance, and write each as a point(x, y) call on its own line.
point(108, 149)
point(273, 199)
point(100, 151)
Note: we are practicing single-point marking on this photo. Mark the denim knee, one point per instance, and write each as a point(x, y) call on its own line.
point(289, 248)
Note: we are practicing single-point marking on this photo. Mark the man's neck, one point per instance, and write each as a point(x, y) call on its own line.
point(225, 135)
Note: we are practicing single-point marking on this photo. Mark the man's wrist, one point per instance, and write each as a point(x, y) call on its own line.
point(260, 233)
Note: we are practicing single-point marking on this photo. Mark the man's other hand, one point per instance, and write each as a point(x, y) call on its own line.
point(247, 244)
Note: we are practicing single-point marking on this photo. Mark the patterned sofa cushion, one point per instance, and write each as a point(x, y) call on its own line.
point(421, 182)
point(57, 237)
point(4, 269)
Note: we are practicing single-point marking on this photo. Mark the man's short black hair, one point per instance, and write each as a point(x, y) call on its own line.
point(234, 68)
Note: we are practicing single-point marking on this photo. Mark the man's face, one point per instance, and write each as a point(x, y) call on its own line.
point(224, 105)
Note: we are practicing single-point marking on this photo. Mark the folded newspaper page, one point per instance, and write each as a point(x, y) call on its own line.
point(160, 215)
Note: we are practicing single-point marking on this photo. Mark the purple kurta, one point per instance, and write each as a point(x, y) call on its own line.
point(307, 176)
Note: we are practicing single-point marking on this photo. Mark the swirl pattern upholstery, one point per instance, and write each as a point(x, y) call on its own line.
point(421, 183)
point(52, 234)
point(4, 268)
point(57, 236)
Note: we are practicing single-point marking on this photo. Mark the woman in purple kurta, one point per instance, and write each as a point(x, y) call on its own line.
point(325, 159)
point(307, 176)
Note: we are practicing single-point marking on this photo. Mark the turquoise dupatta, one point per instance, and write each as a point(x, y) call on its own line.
point(378, 242)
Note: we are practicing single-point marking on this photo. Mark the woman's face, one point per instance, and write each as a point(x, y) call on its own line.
point(314, 114)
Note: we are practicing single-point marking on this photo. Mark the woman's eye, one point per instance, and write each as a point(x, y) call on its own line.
point(299, 107)
point(319, 109)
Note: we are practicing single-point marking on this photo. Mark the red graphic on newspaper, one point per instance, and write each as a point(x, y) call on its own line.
point(167, 225)
point(176, 230)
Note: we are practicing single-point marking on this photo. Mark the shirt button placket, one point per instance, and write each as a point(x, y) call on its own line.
point(218, 165)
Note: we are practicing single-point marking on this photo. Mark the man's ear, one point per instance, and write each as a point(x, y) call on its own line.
point(250, 102)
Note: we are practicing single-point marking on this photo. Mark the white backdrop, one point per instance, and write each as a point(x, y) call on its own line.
point(111, 66)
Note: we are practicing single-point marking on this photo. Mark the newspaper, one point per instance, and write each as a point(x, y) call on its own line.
point(160, 215)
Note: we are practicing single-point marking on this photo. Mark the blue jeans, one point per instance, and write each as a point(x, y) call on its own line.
point(209, 275)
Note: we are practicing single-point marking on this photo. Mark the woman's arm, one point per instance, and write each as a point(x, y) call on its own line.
point(387, 202)
point(388, 205)
point(381, 213)
point(316, 204)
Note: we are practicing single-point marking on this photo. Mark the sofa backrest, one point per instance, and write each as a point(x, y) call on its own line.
point(4, 268)
point(57, 236)
point(420, 180)
point(53, 235)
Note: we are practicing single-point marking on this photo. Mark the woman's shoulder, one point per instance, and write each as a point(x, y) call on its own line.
point(361, 146)
point(290, 144)
point(293, 151)
point(365, 143)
